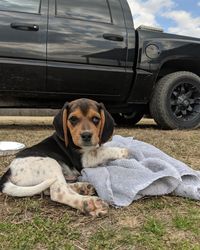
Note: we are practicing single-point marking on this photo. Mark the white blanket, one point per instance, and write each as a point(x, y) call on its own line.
point(147, 172)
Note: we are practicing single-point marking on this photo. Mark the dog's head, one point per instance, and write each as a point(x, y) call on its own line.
point(87, 122)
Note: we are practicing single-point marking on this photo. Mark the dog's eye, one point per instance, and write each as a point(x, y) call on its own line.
point(95, 120)
point(74, 120)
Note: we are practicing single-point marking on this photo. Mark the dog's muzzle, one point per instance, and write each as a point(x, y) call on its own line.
point(86, 138)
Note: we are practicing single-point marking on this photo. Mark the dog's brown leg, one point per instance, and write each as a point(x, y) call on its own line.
point(84, 188)
point(92, 205)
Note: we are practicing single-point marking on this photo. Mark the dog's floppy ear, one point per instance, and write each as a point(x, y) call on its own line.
point(60, 123)
point(107, 124)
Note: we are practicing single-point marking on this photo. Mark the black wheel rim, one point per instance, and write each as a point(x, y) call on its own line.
point(185, 101)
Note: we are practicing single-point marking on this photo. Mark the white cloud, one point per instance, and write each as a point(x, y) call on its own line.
point(144, 12)
point(185, 24)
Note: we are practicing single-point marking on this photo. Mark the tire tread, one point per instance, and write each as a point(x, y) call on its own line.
point(157, 105)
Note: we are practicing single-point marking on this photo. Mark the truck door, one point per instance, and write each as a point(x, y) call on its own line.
point(23, 28)
point(87, 49)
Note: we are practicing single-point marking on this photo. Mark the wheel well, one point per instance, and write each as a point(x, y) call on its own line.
point(179, 65)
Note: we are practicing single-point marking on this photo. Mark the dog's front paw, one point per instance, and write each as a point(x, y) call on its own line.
point(89, 189)
point(122, 153)
point(83, 188)
point(95, 206)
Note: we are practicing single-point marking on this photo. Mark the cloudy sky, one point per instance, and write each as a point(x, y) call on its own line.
point(174, 16)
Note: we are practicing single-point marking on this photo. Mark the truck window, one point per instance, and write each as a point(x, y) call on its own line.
point(95, 10)
point(28, 6)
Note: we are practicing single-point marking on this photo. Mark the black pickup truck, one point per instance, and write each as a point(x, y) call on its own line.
point(57, 50)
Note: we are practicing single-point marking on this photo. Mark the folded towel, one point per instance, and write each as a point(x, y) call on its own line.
point(147, 172)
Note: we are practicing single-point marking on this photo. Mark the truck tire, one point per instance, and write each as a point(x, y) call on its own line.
point(175, 103)
point(128, 119)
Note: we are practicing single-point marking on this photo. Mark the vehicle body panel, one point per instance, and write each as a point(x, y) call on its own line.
point(23, 52)
point(181, 50)
point(81, 62)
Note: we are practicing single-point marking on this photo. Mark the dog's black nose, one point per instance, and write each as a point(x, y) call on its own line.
point(86, 136)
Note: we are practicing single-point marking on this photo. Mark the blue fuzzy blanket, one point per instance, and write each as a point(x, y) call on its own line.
point(147, 172)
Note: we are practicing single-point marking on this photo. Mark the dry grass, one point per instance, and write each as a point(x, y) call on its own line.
point(153, 223)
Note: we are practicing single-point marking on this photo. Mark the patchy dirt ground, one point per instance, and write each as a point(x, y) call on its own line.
point(152, 223)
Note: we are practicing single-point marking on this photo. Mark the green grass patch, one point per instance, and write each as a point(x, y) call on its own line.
point(184, 245)
point(151, 234)
point(189, 221)
point(154, 226)
point(148, 236)
point(110, 239)
point(38, 233)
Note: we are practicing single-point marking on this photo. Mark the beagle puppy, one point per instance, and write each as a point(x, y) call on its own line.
point(81, 127)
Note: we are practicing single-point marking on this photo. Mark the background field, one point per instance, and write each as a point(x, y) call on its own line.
point(152, 223)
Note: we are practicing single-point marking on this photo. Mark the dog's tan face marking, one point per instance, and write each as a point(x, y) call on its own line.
point(84, 123)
